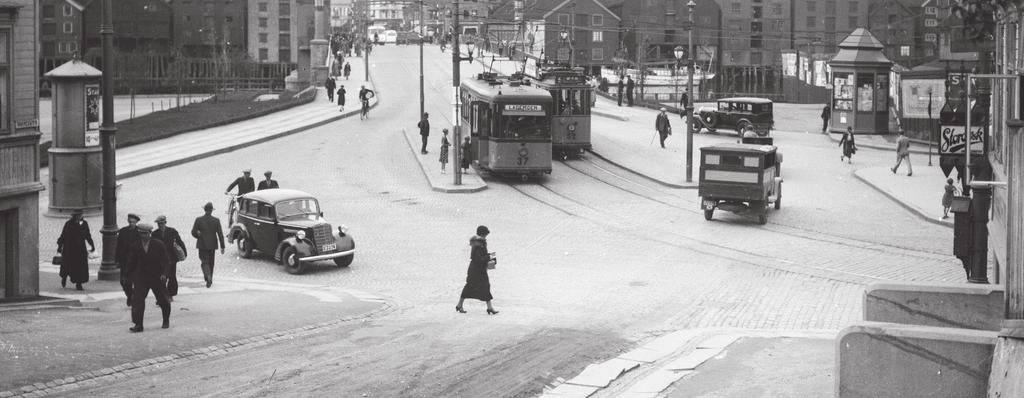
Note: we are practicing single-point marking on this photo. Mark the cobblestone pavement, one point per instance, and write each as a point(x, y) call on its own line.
point(592, 258)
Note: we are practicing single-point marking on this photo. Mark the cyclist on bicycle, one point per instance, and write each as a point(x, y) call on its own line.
point(245, 184)
point(364, 96)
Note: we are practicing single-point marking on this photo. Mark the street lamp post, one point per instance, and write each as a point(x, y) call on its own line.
point(457, 59)
point(109, 269)
point(679, 51)
point(423, 35)
point(690, 6)
point(930, 131)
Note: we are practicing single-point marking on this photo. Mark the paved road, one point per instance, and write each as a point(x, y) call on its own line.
point(593, 258)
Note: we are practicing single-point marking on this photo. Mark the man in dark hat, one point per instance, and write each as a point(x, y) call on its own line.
point(267, 183)
point(245, 183)
point(71, 245)
point(126, 237)
point(206, 230)
point(170, 238)
point(147, 260)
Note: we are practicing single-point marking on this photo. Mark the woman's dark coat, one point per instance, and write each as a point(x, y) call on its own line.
point(75, 258)
point(465, 155)
point(478, 285)
point(848, 144)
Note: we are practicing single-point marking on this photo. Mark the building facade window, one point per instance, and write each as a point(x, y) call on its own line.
point(597, 54)
point(284, 40)
point(812, 6)
point(69, 27)
point(284, 8)
point(284, 24)
point(263, 37)
point(931, 11)
point(854, 6)
point(930, 37)
point(776, 9)
point(852, 23)
point(49, 11)
point(5, 81)
point(756, 41)
point(49, 49)
point(597, 20)
point(262, 7)
point(736, 8)
point(563, 19)
point(931, 23)
point(755, 58)
point(812, 22)
point(262, 22)
point(905, 52)
point(284, 55)
point(830, 6)
point(49, 29)
point(597, 36)
point(264, 54)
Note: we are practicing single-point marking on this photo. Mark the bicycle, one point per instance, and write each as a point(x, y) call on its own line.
point(365, 113)
point(232, 203)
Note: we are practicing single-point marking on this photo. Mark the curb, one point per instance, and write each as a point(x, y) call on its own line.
point(93, 378)
point(218, 151)
point(913, 209)
point(609, 115)
point(882, 148)
point(412, 146)
point(649, 178)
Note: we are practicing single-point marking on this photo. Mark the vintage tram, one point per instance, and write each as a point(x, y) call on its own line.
point(570, 119)
point(509, 125)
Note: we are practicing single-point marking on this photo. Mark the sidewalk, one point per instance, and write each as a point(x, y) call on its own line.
point(52, 349)
point(887, 142)
point(921, 194)
point(431, 166)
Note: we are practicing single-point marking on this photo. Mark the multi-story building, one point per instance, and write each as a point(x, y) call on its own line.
point(279, 29)
point(653, 29)
point(341, 14)
point(19, 149)
point(60, 32)
point(897, 24)
point(819, 25)
point(139, 25)
point(590, 31)
point(755, 31)
point(203, 28)
point(390, 14)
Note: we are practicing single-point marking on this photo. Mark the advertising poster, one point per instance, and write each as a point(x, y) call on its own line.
point(92, 115)
point(789, 64)
point(821, 71)
point(915, 97)
point(954, 140)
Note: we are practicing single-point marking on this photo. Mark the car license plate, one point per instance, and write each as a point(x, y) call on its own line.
point(330, 247)
point(709, 205)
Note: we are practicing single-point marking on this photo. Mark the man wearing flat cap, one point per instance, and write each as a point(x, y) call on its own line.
point(267, 183)
point(126, 237)
point(663, 126)
point(170, 238)
point(245, 183)
point(147, 260)
point(206, 230)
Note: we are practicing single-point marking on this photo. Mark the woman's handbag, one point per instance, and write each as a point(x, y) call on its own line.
point(179, 252)
point(493, 262)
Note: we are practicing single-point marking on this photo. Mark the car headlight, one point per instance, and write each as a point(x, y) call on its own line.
point(342, 230)
point(300, 235)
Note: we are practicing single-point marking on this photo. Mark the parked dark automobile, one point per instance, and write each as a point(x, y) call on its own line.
point(407, 38)
point(736, 114)
point(289, 225)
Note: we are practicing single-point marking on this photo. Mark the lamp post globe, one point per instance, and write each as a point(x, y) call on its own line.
point(690, 5)
point(563, 35)
point(679, 52)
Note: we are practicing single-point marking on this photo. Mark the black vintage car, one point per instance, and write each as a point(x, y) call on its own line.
point(736, 114)
point(289, 225)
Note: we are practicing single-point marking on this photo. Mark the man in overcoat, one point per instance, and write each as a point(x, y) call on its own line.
point(147, 261)
point(424, 126)
point(170, 237)
point(329, 85)
point(630, 86)
point(621, 85)
point(663, 126)
point(126, 237)
point(206, 229)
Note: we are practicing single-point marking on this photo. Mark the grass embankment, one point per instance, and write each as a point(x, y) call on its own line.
point(224, 108)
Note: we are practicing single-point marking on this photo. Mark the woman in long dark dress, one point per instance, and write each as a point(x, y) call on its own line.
point(71, 246)
point(849, 145)
point(478, 285)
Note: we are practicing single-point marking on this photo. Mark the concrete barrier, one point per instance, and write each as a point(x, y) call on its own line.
point(907, 361)
point(951, 305)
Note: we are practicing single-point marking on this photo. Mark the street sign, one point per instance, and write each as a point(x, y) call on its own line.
point(954, 140)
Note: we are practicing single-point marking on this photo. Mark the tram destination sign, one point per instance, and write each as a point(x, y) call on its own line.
point(570, 79)
point(954, 140)
point(523, 110)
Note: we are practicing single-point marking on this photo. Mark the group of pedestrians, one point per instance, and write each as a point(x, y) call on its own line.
point(464, 160)
point(627, 83)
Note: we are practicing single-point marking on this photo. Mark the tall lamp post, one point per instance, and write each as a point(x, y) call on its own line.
point(679, 52)
point(109, 270)
point(690, 6)
point(457, 59)
point(423, 36)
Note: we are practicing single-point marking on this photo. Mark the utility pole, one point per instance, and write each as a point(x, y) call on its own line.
point(423, 35)
point(109, 269)
point(689, 105)
point(456, 105)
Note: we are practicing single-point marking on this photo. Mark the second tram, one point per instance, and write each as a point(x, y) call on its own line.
point(509, 125)
point(570, 121)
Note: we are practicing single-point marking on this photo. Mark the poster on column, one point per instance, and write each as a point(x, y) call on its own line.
point(92, 115)
point(954, 140)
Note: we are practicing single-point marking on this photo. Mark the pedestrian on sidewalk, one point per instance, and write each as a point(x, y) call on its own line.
point(147, 262)
point(849, 145)
point(444, 149)
point(947, 198)
point(126, 237)
point(348, 70)
point(341, 98)
point(424, 126)
point(176, 252)
point(268, 183)
point(826, 114)
point(662, 125)
point(630, 85)
point(206, 230)
point(621, 85)
point(71, 246)
point(478, 284)
point(903, 152)
point(603, 86)
point(684, 101)
point(465, 155)
point(329, 85)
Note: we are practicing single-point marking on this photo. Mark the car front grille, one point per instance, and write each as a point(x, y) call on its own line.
point(322, 235)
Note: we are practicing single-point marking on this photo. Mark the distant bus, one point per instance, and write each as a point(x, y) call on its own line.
point(389, 36)
point(376, 30)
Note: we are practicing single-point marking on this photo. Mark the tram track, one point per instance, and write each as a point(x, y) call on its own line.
point(859, 272)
